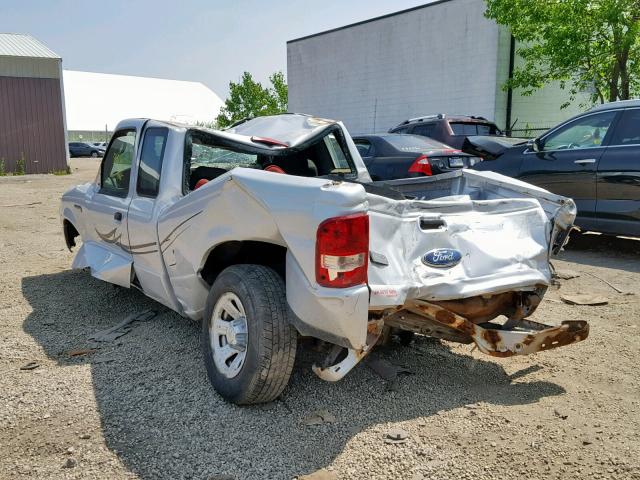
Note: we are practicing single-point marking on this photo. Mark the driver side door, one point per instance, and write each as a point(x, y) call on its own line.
point(568, 159)
point(107, 237)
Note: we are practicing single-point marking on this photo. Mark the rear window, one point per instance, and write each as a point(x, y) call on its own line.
point(213, 156)
point(413, 143)
point(206, 159)
point(473, 128)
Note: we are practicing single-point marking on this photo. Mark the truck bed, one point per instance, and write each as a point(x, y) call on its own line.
point(499, 226)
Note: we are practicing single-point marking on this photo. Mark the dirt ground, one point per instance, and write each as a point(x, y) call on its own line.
point(141, 406)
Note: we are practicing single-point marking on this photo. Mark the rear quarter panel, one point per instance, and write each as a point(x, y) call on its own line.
point(247, 204)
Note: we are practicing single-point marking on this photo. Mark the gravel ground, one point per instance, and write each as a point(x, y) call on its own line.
point(141, 406)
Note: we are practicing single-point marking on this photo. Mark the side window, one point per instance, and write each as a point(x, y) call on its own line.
point(424, 130)
point(115, 171)
point(627, 131)
point(364, 147)
point(401, 130)
point(460, 128)
point(153, 145)
point(585, 132)
point(340, 161)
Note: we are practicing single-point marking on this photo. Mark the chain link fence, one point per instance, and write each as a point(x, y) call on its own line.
point(527, 131)
point(92, 136)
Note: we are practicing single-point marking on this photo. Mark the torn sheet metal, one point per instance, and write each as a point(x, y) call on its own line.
point(336, 372)
point(104, 264)
point(500, 229)
point(521, 337)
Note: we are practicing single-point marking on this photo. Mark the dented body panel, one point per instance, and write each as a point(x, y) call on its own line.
point(434, 243)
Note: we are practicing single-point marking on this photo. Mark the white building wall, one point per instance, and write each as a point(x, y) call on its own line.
point(438, 58)
point(98, 101)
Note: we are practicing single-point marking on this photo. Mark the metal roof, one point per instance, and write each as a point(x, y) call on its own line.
point(94, 100)
point(21, 45)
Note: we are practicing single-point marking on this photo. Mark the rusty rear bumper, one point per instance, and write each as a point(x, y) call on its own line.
point(515, 337)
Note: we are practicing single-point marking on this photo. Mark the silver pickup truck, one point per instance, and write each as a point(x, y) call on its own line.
point(272, 229)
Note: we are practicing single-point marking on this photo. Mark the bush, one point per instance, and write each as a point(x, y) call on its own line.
point(20, 166)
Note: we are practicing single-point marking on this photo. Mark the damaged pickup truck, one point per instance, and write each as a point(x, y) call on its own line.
point(272, 229)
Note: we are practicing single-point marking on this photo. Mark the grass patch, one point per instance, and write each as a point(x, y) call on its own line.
point(20, 166)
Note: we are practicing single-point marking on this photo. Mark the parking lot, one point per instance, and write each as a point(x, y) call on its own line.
point(140, 406)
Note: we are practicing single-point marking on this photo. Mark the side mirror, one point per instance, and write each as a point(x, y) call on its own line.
point(535, 144)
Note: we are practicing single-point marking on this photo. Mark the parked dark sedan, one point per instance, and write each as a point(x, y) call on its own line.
point(391, 156)
point(593, 158)
point(85, 149)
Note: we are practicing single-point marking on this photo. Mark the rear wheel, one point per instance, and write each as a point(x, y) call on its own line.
point(248, 343)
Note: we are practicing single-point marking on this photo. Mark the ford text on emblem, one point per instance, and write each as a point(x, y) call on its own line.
point(442, 258)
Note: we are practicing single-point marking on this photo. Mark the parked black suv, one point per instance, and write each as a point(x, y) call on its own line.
point(593, 158)
point(471, 134)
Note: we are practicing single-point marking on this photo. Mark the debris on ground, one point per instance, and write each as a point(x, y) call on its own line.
point(583, 299)
point(70, 463)
point(566, 274)
point(124, 327)
point(21, 204)
point(319, 417)
point(623, 292)
point(396, 436)
point(385, 369)
point(81, 351)
point(561, 414)
point(30, 366)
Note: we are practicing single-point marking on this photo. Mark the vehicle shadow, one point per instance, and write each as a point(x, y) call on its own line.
point(603, 251)
point(163, 420)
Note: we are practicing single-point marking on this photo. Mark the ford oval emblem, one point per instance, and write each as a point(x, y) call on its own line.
point(442, 258)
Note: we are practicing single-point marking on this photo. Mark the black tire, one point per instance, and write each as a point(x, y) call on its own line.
point(271, 343)
point(94, 154)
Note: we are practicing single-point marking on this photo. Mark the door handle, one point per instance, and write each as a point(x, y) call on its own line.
point(117, 216)
point(585, 161)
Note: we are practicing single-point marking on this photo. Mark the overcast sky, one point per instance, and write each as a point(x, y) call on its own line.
point(210, 41)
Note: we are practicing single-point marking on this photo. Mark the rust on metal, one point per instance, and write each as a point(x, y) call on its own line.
point(481, 309)
point(515, 337)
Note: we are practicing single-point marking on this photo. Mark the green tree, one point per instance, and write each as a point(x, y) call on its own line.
point(249, 98)
point(588, 46)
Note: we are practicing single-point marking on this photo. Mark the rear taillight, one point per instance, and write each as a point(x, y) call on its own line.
point(342, 251)
point(421, 165)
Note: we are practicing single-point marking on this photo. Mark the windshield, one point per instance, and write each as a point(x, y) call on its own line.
point(414, 143)
point(474, 128)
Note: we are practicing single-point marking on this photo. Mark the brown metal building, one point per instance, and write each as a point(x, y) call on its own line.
point(32, 116)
